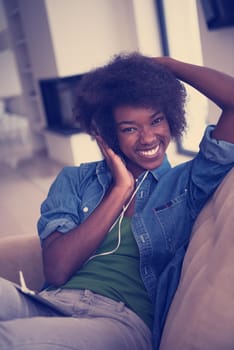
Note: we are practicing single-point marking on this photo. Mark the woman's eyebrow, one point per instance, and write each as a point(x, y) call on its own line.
point(123, 122)
point(155, 114)
point(126, 122)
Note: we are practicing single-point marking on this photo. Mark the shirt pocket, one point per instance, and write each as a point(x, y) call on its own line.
point(174, 220)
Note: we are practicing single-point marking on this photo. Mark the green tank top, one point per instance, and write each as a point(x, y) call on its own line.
point(117, 275)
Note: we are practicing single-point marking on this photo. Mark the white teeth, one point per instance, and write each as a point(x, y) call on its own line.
point(150, 152)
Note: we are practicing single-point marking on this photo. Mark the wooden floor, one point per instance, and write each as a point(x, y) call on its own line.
point(22, 190)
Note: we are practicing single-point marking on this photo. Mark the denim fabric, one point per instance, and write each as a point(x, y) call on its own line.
point(167, 205)
point(95, 322)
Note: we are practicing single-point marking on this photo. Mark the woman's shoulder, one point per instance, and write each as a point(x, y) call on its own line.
point(77, 177)
point(83, 170)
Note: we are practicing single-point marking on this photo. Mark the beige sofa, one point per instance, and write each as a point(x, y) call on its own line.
point(201, 316)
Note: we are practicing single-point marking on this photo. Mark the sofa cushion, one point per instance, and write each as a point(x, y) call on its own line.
point(22, 253)
point(201, 316)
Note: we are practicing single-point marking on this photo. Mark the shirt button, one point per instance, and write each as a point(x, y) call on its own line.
point(85, 209)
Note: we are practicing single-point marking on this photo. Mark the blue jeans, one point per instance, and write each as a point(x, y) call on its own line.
point(94, 322)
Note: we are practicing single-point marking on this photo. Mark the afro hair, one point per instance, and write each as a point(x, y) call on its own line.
point(129, 79)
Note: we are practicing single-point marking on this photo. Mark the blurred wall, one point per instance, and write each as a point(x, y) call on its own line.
point(218, 52)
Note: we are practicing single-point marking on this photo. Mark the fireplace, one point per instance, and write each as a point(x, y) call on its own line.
point(59, 98)
point(65, 140)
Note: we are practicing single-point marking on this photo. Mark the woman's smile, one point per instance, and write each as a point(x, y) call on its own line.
point(149, 153)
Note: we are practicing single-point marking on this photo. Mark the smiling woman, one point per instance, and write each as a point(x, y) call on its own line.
point(98, 224)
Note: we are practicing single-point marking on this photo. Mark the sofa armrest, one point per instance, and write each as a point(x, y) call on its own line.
point(22, 253)
point(201, 316)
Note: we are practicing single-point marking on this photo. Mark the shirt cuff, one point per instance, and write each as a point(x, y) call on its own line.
point(60, 225)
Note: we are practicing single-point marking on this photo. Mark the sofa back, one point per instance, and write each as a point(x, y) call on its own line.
point(201, 316)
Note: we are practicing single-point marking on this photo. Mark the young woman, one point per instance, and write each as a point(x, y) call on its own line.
point(114, 233)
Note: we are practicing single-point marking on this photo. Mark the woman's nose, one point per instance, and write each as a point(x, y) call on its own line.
point(147, 136)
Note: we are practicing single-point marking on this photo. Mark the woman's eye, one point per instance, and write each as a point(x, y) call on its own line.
point(158, 120)
point(128, 130)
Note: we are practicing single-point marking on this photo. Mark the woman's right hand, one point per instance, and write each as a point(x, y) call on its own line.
point(121, 175)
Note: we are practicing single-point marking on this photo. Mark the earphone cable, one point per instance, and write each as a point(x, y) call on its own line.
point(119, 220)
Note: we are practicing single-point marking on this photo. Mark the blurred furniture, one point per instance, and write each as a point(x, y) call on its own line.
point(15, 138)
point(22, 252)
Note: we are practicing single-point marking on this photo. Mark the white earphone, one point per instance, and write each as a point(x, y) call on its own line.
point(119, 219)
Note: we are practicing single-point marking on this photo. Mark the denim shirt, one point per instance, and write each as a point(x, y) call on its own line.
point(167, 204)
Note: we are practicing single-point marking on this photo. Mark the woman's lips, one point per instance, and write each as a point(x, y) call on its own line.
point(150, 153)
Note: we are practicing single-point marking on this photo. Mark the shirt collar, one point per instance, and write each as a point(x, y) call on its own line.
point(157, 172)
point(162, 169)
point(103, 173)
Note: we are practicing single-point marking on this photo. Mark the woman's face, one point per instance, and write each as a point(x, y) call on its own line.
point(143, 136)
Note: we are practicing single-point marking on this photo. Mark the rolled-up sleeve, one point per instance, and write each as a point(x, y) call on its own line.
point(61, 209)
point(218, 151)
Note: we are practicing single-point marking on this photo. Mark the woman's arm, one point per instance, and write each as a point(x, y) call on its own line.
point(215, 85)
point(63, 254)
